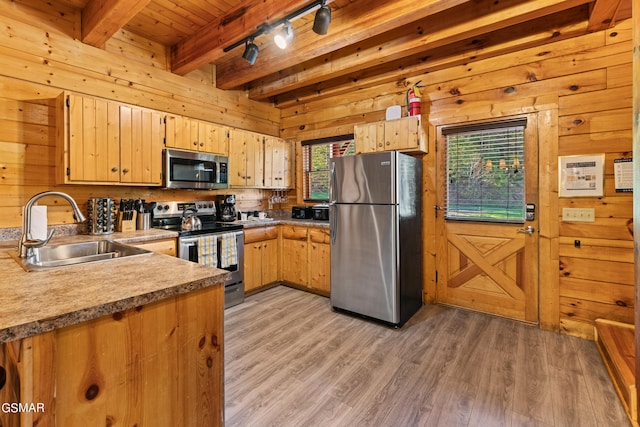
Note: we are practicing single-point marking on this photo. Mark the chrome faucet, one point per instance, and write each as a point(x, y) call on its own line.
point(27, 242)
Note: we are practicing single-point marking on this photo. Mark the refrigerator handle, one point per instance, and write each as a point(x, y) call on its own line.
point(333, 188)
point(333, 223)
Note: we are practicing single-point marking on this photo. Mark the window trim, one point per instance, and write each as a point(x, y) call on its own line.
point(305, 167)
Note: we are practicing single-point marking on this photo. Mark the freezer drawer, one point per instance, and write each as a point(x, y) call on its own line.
point(364, 260)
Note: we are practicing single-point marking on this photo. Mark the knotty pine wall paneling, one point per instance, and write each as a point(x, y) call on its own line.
point(41, 56)
point(581, 89)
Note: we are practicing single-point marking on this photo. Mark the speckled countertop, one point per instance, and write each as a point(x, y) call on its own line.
point(40, 301)
point(282, 217)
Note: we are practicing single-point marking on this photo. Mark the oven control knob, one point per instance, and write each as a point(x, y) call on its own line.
point(210, 205)
point(166, 207)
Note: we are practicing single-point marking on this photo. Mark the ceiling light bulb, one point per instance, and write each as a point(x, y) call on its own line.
point(250, 52)
point(284, 36)
point(322, 20)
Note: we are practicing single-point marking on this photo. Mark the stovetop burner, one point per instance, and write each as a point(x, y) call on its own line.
point(168, 216)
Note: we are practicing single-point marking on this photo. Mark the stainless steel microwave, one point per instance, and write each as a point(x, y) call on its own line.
point(193, 170)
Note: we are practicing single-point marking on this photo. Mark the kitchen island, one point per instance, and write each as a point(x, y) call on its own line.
point(131, 341)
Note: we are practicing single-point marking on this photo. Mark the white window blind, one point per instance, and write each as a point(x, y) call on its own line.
point(316, 155)
point(485, 172)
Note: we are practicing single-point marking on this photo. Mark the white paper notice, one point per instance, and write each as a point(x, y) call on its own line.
point(39, 222)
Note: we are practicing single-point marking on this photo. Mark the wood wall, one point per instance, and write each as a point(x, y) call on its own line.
point(581, 87)
point(41, 57)
point(582, 90)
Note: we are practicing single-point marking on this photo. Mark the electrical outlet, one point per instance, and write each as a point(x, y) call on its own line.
point(579, 214)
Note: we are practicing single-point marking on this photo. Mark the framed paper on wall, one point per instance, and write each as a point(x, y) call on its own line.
point(581, 176)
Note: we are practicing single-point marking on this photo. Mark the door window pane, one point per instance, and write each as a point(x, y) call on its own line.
point(485, 174)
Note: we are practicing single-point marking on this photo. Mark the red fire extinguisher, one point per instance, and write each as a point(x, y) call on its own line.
point(413, 100)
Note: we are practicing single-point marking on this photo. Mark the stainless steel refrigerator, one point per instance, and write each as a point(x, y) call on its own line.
point(376, 235)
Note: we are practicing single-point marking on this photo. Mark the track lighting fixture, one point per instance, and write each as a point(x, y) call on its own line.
point(250, 52)
point(322, 20)
point(285, 35)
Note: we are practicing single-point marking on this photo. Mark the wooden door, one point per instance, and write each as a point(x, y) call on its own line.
point(213, 138)
point(141, 136)
point(270, 261)
point(181, 132)
point(320, 260)
point(255, 160)
point(402, 134)
point(93, 140)
point(490, 266)
point(369, 137)
point(295, 266)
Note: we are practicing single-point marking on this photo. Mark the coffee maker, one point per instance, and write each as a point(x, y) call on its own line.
point(226, 207)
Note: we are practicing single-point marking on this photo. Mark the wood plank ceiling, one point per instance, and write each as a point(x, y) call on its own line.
point(369, 41)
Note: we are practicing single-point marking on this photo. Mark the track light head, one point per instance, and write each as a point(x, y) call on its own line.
point(250, 52)
point(322, 20)
point(284, 37)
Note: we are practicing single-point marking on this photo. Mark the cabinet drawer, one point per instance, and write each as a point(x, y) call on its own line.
point(292, 232)
point(259, 234)
point(164, 246)
point(319, 235)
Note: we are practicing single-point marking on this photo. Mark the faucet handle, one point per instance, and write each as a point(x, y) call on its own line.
point(37, 243)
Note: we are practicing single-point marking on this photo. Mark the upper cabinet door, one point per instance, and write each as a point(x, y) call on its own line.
point(406, 134)
point(141, 137)
point(213, 138)
point(278, 162)
point(178, 132)
point(104, 142)
point(91, 136)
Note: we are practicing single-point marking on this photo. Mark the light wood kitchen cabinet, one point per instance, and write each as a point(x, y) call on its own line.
point(260, 257)
point(295, 255)
point(104, 142)
point(319, 260)
point(162, 246)
point(246, 159)
point(278, 162)
point(406, 134)
point(10, 375)
point(196, 135)
point(157, 364)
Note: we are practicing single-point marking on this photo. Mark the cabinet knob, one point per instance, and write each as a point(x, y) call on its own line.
point(195, 143)
point(380, 144)
point(202, 144)
point(114, 169)
point(125, 170)
point(388, 142)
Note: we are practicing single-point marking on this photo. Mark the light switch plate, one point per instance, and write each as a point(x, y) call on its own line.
point(579, 214)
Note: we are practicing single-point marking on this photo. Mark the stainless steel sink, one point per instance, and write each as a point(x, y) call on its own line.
point(54, 256)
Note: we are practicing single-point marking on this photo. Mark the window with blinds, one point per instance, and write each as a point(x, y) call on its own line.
point(316, 154)
point(485, 172)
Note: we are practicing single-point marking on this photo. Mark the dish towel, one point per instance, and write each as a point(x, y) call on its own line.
point(228, 250)
point(208, 250)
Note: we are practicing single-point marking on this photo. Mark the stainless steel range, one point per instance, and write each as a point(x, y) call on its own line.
point(213, 243)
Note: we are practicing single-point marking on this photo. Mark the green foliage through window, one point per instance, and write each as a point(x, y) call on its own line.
point(315, 157)
point(485, 175)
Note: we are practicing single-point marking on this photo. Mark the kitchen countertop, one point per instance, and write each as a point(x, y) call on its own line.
point(40, 301)
point(282, 217)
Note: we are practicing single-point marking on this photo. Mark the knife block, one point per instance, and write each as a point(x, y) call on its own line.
point(127, 224)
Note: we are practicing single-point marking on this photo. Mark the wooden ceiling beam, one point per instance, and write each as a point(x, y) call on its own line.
point(603, 14)
point(101, 19)
point(449, 27)
point(507, 41)
point(358, 20)
point(207, 45)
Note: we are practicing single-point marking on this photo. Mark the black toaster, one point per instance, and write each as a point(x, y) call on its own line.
point(302, 212)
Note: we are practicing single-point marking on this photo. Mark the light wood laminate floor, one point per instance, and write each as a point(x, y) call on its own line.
point(291, 361)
